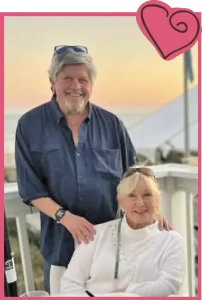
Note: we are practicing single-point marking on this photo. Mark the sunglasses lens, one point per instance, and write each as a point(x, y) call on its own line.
point(63, 49)
point(144, 171)
point(80, 49)
point(60, 49)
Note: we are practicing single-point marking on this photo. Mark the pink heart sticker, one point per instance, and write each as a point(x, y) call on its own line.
point(172, 31)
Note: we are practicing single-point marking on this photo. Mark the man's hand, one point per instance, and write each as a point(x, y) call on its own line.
point(80, 228)
point(163, 224)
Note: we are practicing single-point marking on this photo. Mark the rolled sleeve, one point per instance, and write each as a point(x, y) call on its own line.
point(29, 181)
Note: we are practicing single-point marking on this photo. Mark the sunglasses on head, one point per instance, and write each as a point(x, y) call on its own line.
point(63, 48)
point(142, 170)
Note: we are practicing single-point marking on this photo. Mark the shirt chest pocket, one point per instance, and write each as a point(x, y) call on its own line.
point(107, 162)
point(48, 157)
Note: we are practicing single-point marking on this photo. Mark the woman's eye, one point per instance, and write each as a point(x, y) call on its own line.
point(147, 195)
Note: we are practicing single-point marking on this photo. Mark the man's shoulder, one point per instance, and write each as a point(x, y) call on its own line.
point(105, 113)
point(33, 114)
point(103, 110)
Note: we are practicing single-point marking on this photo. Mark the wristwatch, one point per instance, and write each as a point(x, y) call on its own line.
point(59, 214)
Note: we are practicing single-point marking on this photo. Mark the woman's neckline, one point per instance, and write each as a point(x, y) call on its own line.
point(140, 233)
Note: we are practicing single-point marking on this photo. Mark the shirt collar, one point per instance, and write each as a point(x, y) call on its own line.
point(55, 109)
point(139, 234)
point(57, 112)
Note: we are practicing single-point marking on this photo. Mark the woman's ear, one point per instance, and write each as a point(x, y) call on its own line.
point(120, 202)
point(120, 213)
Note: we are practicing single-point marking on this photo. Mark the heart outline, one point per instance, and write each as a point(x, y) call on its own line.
point(170, 18)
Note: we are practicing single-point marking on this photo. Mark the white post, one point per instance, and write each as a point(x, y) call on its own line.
point(167, 189)
point(25, 253)
point(181, 221)
point(191, 243)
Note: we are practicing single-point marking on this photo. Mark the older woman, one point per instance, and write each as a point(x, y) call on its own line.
point(129, 255)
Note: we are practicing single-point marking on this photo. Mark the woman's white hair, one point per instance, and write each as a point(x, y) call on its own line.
point(128, 185)
point(59, 61)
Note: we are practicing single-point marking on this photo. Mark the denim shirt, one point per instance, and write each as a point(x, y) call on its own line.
point(81, 179)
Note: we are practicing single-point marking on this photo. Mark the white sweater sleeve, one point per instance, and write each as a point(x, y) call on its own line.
point(75, 277)
point(171, 273)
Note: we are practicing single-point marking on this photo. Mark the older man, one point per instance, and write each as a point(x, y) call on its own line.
point(70, 157)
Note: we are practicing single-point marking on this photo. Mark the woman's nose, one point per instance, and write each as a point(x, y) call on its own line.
point(140, 201)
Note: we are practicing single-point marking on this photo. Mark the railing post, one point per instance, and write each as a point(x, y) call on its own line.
point(180, 223)
point(25, 253)
point(191, 243)
point(167, 189)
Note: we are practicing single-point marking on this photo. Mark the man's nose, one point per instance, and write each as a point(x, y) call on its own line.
point(75, 84)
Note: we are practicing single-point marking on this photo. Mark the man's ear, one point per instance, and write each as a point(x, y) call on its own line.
point(52, 85)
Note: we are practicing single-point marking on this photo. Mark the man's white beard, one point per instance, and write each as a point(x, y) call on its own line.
point(75, 108)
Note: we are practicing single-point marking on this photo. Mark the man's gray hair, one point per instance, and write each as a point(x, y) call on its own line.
point(59, 61)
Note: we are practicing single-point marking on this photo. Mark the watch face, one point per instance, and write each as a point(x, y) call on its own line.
point(59, 214)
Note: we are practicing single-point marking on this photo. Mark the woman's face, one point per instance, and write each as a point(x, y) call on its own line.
point(140, 206)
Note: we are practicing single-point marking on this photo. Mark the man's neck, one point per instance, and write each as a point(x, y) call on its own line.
point(76, 119)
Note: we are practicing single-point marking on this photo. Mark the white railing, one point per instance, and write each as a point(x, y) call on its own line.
point(179, 185)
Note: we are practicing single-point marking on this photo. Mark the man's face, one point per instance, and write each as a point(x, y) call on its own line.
point(73, 88)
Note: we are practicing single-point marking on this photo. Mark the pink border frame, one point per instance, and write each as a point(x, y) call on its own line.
point(96, 14)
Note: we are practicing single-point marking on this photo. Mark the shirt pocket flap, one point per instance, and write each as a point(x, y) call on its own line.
point(45, 147)
point(107, 162)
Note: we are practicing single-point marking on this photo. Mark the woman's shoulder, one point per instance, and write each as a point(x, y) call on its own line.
point(103, 230)
point(106, 226)
point(173, 233)
point(172, 236)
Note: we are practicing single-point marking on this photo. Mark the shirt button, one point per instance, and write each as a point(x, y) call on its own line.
point(78, 154)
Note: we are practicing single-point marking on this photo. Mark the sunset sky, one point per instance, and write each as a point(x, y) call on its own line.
point(131, 74)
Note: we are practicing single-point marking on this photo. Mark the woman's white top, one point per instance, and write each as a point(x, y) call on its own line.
point(151, 262)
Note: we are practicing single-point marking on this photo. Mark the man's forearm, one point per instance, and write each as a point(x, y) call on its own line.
point(46, 206)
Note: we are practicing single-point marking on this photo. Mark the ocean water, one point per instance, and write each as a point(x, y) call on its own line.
point(11, 119)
